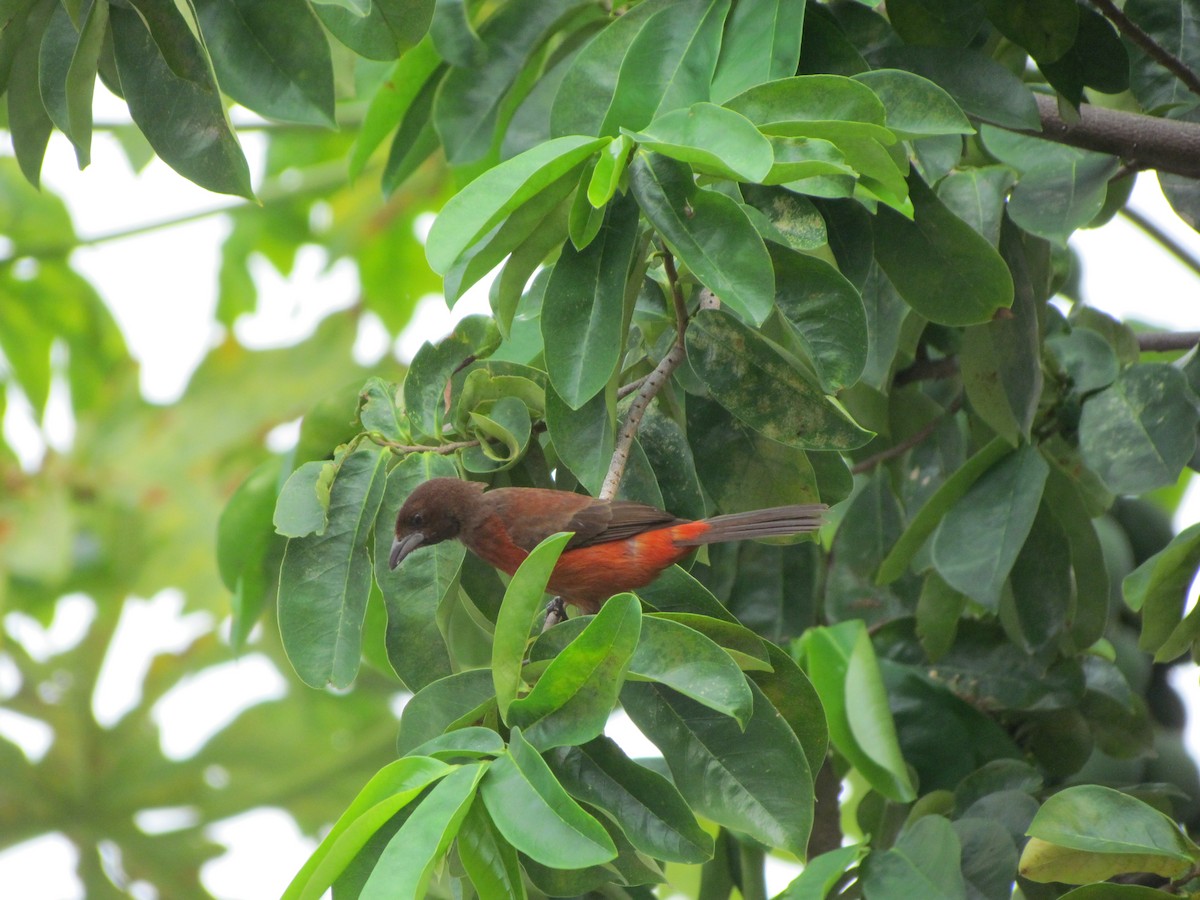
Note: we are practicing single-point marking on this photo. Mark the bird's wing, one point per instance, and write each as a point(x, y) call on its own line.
point(531, 515)
point(617, 520)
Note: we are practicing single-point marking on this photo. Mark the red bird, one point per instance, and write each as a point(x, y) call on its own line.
point(618, 545)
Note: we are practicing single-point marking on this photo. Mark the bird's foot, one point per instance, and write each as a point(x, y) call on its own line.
point(556, 611)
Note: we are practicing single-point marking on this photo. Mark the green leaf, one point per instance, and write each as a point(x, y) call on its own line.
point(397, 94)
point(325, 578)
point(713, 140)
point(761, 43)
point(977, 195)
point(610, 169)
point(830, 107)
point(407, 862)
point(467, 109)
point(81, 80)
point(916, 107)
point(273, 60)
point(1176, 28)
point(244, 521)
point(932, 511)
point(755, 382)
point(388, 29)
point(767, 794)
point(795, 698)
point(827, 313)
point(1046, 28)
point(453, 34)
point(1138, 433)
point(842, 665)
point(708, 232)
point(1061, 188)
point(413, 592)
point(977, 542)
point(490, 862)
point(28, 121)
point(533, 812)
point(924, 862)
point(503, 434)
point(196, 140)
point(942, 268)
point(378, 412)
point(574, 697)
point(498, 192)
point(583, 308)
point(980, 85)
point(433, 366)
point(522, 602)
point(647, 807)
point(1158, 588)
point(1086, 358)
point(822, 873)
point(303, 504)
point(583, 438)
point(474, 741)
point(1111, 833)
point(389, 790)
point(451, 702)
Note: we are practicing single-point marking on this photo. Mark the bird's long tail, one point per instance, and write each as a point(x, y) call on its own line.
point(775, 522)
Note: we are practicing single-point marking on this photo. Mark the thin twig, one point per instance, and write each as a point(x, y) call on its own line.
point(1161, 54)
point(1169, 243)
point(1167, 341)
point(650, 386)
point(626, 389)
point(444, 449)
point(909, 442)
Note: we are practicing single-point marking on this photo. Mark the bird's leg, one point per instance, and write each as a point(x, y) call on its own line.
point(556, 611)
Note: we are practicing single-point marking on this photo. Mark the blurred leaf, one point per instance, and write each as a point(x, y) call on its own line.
point(28, 122)
point(388, 29)
point(707, 231)
point(533, 812)
point(274, 60)
point(196, 140)
point(1176, 28)
point(1045, 29)
point(325, 578)
point(1158, 588)
point(397, 94)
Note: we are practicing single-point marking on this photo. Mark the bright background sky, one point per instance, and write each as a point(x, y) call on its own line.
point(162, 290)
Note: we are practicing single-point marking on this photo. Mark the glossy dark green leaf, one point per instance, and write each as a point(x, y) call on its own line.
point(761, 43)
point(712, 139)
point(583, 438)
point(467, 108)
point(927, 518)
point(669, 453)
point(245, 518)
point(708, 232)
point(1138, 433)
point(977, 195)
point(1061, 188)
point(522, 602)
point(938, 23)
point(977, 542)
point(731, 457)
point(413, 591)
point(196, 140)
point(1176, 28)
point(924, 862)
point(574, 697)
point(28, 122)
point(482, 204)
point(669, 65)
point(916, 107)
point(942, 268)
point(766, 794)
point(1046, 28)
point(677, 591)
point(647, 807)
point(761, 387)
point(391, 789)
point(583, 308)
point(449, 702)
point(1159, 589)
point(274, 61)
point(408, 861)
point(827, 314)
point(454, 36)
point(980, 85)
point(1090, 833)
point(842, 665)
point(388, 29)
point(795, 698)
point(325, 578)
point(1042, 583)
point(830, 107)
point(537, 816)
point(1090, 614)
point(491, 863)
point(1096, 59)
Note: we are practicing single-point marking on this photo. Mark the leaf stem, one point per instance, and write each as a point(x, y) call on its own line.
point(649, 387)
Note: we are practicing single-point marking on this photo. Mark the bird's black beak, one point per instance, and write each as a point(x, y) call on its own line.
point(401, 547)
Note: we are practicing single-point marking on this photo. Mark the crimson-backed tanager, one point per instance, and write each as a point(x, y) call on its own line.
point(618, 545)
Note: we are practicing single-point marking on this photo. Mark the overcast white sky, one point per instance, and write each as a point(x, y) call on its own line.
point(162, 289)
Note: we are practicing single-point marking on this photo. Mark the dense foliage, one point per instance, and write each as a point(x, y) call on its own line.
point(740, 254)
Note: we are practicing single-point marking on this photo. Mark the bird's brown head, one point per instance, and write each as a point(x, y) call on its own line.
point(433, 513)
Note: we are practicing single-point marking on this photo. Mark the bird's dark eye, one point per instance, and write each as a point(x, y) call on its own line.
point(416, 519)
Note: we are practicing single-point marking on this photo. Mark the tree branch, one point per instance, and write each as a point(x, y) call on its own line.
point(1167, 341)
point(1148, 142)
point(1169, 243)
point(1157, 51)
point(649, 387)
